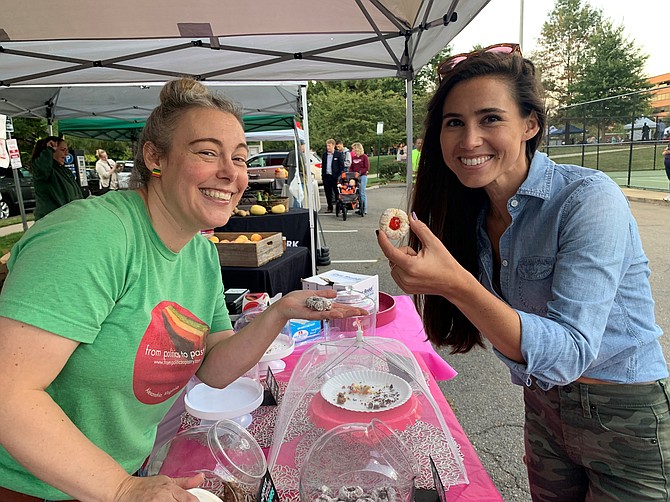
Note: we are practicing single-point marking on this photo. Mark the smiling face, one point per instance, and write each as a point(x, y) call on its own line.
point(61, 152)
point(204, 174)
point(483, 135)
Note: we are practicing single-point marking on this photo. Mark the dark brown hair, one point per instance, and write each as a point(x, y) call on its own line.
point(449, 208)
point(41, 145)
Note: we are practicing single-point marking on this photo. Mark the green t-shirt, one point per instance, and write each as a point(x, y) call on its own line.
point(96, 272)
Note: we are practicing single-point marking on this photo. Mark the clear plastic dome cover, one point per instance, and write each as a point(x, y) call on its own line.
point(359, 461)
point(355, 381)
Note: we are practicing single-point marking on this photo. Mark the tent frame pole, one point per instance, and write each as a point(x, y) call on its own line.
point(311, 197)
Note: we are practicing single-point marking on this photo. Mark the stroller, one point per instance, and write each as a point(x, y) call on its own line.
point(348, 197)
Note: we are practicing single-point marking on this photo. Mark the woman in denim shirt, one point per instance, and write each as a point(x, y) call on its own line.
point(545, 262)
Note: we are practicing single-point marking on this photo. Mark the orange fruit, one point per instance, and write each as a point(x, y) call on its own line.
point(214, 238)
point(256, 237)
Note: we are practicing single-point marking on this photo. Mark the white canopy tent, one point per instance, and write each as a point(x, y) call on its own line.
point(127, 41)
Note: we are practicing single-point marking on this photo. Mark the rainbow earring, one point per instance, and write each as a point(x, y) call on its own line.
point(156, 173)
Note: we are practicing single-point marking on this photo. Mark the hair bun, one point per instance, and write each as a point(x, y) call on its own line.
point(176, 90)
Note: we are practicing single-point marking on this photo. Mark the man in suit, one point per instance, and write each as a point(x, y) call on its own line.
point(332, 166)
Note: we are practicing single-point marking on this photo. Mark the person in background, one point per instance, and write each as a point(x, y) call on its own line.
point(545, 262)
point(55, 184)
point(332, 166)
point(113, 303)
point(360, 163)
point(339, 146)
point(416, 153)
point(666, 161)
point(105, 167)
point(114, 178)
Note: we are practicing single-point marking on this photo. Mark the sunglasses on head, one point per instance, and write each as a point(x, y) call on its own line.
point(448, 64)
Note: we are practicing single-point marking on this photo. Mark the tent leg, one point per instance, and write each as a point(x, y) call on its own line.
point(409, 125)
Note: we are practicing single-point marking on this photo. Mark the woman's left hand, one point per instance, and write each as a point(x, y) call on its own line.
point(293, 306)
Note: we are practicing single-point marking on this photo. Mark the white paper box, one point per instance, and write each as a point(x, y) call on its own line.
point(366, 284)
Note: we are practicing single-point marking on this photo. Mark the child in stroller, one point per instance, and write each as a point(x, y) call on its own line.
point(348, 195)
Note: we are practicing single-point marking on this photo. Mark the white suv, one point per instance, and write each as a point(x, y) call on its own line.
point(258, 165)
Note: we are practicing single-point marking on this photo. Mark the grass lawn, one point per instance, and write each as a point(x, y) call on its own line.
point(8, 241)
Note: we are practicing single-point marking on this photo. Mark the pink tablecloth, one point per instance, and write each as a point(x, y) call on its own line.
point(408, 328)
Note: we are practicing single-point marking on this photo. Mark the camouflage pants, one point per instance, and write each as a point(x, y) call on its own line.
point(598, 442)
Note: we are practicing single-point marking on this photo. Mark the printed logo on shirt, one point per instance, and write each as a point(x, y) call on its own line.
point(170, 352)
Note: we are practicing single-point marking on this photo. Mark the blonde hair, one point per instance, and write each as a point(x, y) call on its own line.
point(176, 98)
point(99, 152)
point(358, 148)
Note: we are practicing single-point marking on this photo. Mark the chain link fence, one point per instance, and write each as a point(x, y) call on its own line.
point(613, 135)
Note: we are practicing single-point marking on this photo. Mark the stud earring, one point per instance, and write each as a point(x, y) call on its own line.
point(156, 173)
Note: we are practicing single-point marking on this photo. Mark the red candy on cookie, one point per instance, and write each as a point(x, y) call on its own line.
point(394, 223)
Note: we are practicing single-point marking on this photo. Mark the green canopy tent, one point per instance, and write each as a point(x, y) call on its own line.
point(129, 130)
point(102, 128)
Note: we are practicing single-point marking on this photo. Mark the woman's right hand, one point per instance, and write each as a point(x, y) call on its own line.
point(158, 489)
point(431, 271)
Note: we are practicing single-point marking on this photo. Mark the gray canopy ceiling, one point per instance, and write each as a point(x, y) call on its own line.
point(137, 41)
point(135, 101)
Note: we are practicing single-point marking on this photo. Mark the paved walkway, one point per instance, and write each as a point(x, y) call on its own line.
point(633, 194)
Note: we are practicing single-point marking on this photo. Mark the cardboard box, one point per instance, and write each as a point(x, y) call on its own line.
point(248, 254)
point(305, 331)
point(339, 280)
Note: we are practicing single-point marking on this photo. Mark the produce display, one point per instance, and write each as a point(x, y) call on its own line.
point(240, 239)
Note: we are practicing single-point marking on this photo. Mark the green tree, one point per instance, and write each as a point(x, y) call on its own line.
point(27, 132)
point(563, 48)
point(615, 68)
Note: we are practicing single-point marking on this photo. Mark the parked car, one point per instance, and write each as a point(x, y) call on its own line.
point(93, 180)
point(9, 204)
point(261, 168)
point(124, 176)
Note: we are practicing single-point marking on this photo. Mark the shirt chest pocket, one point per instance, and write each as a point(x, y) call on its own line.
point(536, 275)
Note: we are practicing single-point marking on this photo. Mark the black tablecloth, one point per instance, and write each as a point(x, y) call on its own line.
point(294, 225)
point(281, 275)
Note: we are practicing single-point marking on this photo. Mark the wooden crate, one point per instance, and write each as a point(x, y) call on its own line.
point(248, 254)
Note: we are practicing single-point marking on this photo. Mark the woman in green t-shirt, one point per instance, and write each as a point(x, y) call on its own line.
point(113, 303)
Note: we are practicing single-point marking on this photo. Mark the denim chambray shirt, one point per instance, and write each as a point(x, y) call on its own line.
point(573, 268)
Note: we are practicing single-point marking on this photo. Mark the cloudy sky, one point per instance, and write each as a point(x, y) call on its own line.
point(645, 22)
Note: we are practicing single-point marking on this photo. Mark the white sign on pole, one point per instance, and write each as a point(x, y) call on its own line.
point(380, 128)
point(14, 154)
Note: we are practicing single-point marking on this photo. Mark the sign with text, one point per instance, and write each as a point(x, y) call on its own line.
point(14, 154)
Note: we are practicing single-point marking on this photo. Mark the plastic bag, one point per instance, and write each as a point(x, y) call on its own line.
point(296, 189)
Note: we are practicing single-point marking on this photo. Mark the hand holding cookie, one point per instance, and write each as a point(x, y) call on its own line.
point(430, 270)
point(394, 223)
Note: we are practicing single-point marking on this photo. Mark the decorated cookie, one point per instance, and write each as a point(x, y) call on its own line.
point(394, 223)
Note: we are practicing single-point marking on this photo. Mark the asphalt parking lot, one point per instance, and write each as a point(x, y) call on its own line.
point(487, 405)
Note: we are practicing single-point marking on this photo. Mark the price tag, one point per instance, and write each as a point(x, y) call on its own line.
point(267, 491)
point(273, 387)
point(439, 486)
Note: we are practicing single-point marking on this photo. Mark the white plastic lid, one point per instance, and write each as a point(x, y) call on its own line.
point(204, 495)
point(242, 396)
